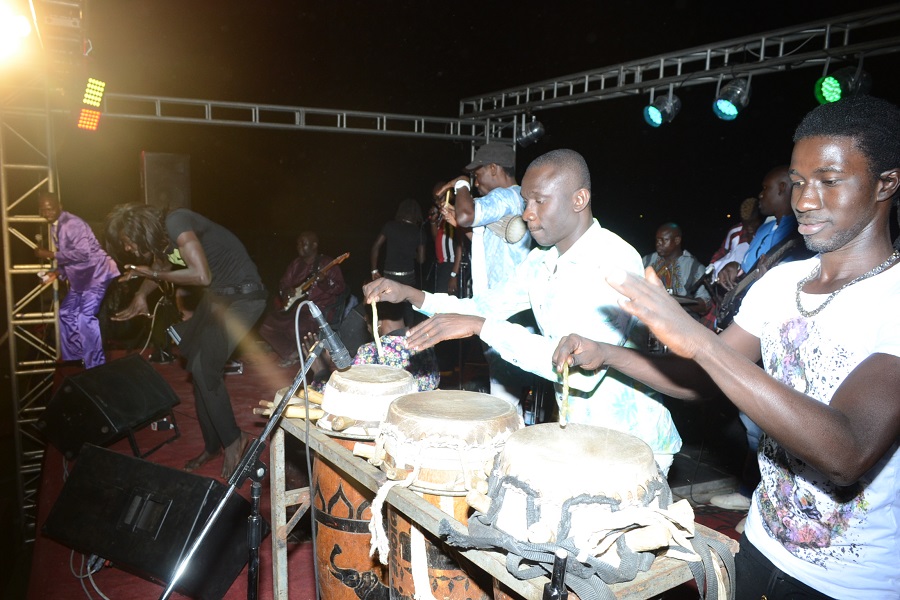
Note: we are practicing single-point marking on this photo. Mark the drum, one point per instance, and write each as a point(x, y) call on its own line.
point(595, 492)
point(361, 395)
point(573, 477)
point(356, 400)
point(442, 444)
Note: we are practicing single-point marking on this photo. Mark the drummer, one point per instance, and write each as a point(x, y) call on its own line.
point(563, 283)
point(679, 270)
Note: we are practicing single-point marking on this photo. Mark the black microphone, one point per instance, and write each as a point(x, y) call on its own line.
point(332, 342)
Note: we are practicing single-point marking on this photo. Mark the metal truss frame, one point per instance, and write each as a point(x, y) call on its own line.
point(31, 307)
point(269, 116)
point(850, 36)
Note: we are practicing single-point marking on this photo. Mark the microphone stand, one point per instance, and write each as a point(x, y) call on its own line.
point(250, 466)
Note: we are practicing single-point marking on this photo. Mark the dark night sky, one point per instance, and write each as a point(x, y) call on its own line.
point(422, 58)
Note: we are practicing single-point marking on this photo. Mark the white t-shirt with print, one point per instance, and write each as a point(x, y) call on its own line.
point(843, 541)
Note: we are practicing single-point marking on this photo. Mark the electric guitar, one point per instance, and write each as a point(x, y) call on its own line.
point(301, 290)
point(733, 298)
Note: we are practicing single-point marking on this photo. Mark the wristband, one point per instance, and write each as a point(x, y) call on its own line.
point(374, 271)
point(155, 275)
point(462, 183)
point(452, 273)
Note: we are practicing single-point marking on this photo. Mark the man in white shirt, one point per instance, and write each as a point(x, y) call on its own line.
point(563, 282)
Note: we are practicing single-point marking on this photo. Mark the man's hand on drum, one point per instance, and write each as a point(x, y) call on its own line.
point(388, 290)
point(649, 301)
point(443, 327)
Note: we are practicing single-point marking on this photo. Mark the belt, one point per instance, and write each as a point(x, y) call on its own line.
point(399, 273)
point(244, 288)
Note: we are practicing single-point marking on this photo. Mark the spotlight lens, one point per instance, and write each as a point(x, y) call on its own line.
point(831, 89)
point(725, 109)
point(653, 116)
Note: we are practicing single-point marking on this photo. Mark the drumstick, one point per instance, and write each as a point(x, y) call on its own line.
point(293, 411)
point(378, 348)
point(564, 404)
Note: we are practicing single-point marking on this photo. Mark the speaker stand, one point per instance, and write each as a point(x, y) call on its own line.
point(249, 467)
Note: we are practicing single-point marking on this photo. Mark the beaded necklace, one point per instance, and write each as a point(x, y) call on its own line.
point(875, 271)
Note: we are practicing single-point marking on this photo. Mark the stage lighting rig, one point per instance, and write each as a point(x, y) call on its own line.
point(662, 110)
point(89, 118)
point(843, 83)
point(531, 132)
point(732, 99)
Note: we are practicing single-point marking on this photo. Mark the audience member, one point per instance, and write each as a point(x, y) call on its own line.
point(563, 282)
point(310, 276)
point(211, 258)
point(88, 269)
point(493, 258)
point(737, 241)
point(679, 270)
point(825, 518)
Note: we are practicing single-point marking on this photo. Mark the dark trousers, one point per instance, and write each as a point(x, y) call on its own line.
point(756, 578)
point(215, 336)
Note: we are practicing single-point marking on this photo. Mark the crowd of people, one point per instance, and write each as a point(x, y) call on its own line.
point(772, 321)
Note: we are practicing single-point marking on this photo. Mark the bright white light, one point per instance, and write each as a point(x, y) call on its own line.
point(13, 29)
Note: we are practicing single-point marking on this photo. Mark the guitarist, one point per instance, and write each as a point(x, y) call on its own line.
point(775, 241)
point(326, 287)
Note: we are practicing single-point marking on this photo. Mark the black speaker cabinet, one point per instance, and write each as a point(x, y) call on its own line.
point(166, 179)
point(144, 517)
point(105, 404)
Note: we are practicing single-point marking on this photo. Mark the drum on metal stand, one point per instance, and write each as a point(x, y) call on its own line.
point(442, 445)
point(355, 402)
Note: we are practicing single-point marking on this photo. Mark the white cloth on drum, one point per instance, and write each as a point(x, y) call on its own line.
point(568, 293)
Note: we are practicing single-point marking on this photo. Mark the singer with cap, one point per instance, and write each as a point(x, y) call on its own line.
point(89, 270)
point(494, 257)
point(214, 259)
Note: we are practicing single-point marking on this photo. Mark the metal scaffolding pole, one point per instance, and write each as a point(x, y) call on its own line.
point(32, 336)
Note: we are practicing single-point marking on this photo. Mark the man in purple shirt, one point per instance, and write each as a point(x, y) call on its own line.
point(82, 262)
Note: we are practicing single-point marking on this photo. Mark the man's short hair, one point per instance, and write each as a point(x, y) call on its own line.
point(570, 161)
point(873, 122)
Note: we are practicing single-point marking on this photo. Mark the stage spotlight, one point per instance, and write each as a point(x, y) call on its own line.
point(662, 110)
point(14, 28)
point(732, 99)
point(845, 82)
point(93, 92)
point(89, 119)
point(531, 132)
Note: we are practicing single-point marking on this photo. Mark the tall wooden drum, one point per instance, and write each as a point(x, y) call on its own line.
point(360, 396)
point(443, 445)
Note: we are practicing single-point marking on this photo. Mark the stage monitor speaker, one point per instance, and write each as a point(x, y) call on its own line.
point(106, 403)
point(166, 179)
point(144, 517)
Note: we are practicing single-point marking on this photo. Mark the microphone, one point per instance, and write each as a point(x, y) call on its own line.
point(332, 342)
